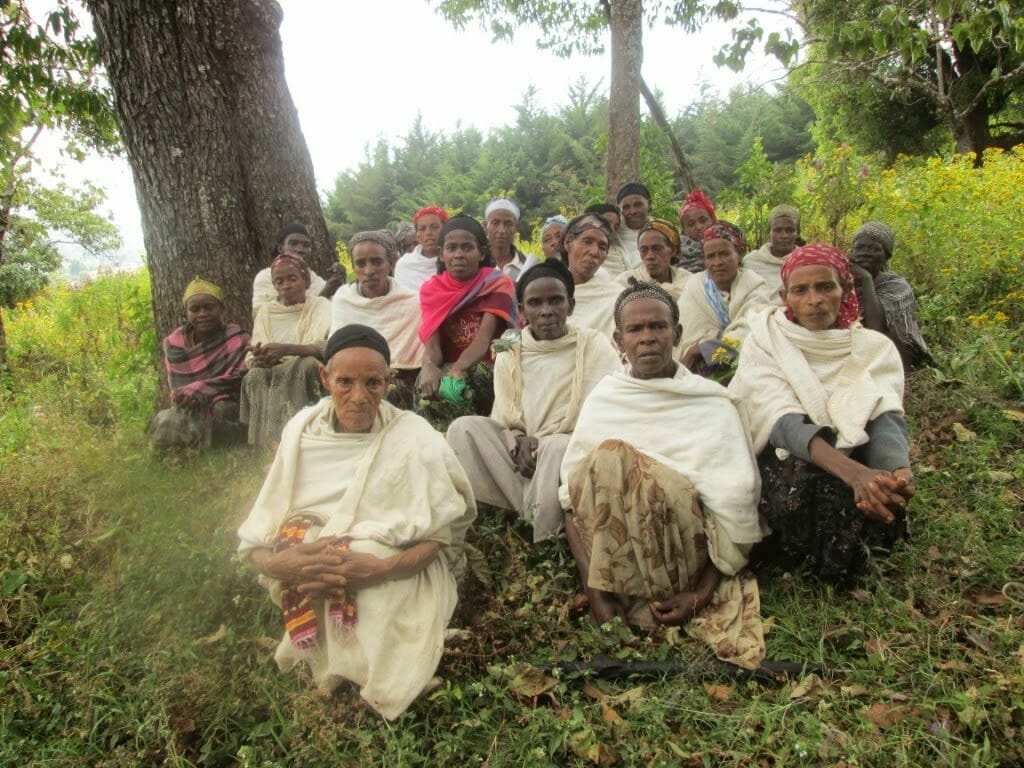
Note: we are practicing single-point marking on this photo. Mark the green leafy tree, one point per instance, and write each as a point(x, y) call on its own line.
point(957, 60)
point(49, 79)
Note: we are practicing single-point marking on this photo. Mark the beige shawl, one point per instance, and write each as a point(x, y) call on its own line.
point(594, 358)
point(264, 292)
point(839, 378)
point(405, 487)
point(769, 267)
point(314, 322)
point(688, 423)
point(680, 278)
point(595, 305)
point(396, 315)
point(747, 297)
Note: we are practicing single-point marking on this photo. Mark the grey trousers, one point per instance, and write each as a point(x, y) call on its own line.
point(484, 448)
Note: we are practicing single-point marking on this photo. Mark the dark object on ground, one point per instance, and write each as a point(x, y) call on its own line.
point(609, 668)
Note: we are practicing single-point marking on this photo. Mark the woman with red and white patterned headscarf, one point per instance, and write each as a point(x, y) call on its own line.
point(824, 397)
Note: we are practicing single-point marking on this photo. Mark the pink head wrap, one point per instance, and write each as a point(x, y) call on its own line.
point(441, 213)
point(697, 199)
point(821, 254)
point(297, 261)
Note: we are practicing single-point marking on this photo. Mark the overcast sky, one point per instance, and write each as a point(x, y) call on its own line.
point(358, 71)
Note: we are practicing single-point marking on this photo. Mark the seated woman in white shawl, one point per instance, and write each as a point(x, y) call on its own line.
point(825, 399)
point(661, 489)
point(716, 306)
point(584, 248)
point(293, 238)
point(376, 300)
point(540, 382)
point(284, 358)
point(358, 533)
point(658, 244)
point(783, 237)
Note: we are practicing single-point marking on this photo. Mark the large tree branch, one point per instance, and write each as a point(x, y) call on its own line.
point(684, 174)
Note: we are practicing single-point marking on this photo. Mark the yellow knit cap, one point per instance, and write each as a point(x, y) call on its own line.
point(197, 286)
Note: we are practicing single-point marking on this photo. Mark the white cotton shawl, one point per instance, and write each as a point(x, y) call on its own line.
point(623, 251)
point(839, 378)
point(769, 267)
point(264, 292)
point(595, 305)
point(311, 318)
point(395, 315)
point(748, 295)
point(680, 278)
point(414, 269)
point(558, 383)
point(687, 423)
point(406, 487)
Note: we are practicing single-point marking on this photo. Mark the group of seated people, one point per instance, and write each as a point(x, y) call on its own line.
point(576, 392)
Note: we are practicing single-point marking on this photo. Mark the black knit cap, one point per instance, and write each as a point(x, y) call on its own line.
point(632, 188)
point(355, 335)
point(550, 268)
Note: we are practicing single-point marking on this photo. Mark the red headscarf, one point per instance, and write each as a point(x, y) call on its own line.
point(441, 213)
point(821, 254)
point(697, 199)
point(726, 230)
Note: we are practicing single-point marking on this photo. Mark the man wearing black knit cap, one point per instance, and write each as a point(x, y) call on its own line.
point(358, 533)
point(634, 201)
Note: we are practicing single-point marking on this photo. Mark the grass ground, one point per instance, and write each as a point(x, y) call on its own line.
point(130, 636)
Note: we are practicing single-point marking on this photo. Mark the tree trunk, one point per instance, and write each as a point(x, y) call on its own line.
point(971, 133)
point(214, 142)
point(624, 101)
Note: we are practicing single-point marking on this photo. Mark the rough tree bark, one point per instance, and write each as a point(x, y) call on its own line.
point(213, 139)
point(624, 100)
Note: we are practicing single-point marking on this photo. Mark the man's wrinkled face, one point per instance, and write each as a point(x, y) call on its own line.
point(357, 379)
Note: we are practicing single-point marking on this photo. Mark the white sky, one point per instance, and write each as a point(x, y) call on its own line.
point(358, 71)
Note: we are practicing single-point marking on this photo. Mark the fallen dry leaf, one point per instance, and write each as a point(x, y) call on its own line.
point(811, 687)
point(268, 643)
point(609, 715)
point(1013, 415)
point(876, 645)
point(530, 682)
point(986, 596)
point(860, 595)
point(853, 691)
point(962, 433)
point(594, 692)
point(215, 637)
point(999, 476)
point(953, 666)
point(934, 553)
point(980, 641)
point(720, 692)
point(883, 715)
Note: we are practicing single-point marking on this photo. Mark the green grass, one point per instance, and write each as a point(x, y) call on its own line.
point(131, 636)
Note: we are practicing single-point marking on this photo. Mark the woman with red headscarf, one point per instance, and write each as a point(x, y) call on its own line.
point(415, 268)
point(824, 397)
point(695, 214)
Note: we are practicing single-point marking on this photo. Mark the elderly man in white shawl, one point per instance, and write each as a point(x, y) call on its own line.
point(661, 490)
point(825, 398)
point(377, 300)
point(514, 457)
point(358, 533)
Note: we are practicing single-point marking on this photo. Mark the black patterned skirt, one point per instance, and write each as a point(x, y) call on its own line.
point(815, 522)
